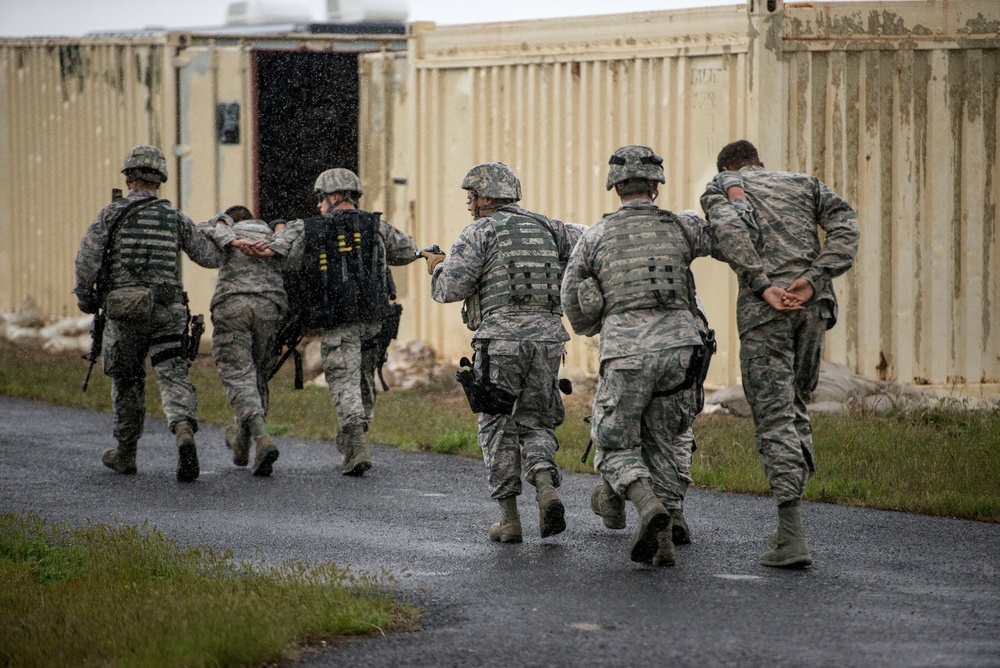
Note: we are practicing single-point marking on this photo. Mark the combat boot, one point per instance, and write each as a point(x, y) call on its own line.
point(508, 529)
point(351, 442)
point(680, 531)
point(789, 549)
point(665, 551)
point(551, 513)
point(653, 518)
point(187, 452)
point(266, 452)
point(606, 503)
point(238, 440)
point(121, 459)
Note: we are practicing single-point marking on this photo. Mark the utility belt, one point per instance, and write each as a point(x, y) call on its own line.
point(483, 396)
point(697, 370)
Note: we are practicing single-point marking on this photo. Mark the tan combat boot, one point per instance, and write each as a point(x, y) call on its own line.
point(508, 529)
point(238, 440)
point(788, 544)
point(681, 532)
point(551, 513)
point(665, 551)
point(267, 452)
point(653, 518)
point(351, 443)
point(608, 506)
point(187, 452)
point(121, 459)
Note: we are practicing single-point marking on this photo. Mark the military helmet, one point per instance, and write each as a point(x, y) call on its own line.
point(147, 162)
point(634, 162)
point(338, 180)
point(494, 180)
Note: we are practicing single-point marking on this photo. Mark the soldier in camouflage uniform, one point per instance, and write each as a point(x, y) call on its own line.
point(507, 267)
point(248, 307)
point(339, 190)
point(766, 225)
point(140, 289)
point(629, 280)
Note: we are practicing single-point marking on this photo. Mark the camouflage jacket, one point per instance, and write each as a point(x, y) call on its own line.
point(471, 256)
point(245, 276)
point(777, 240)
point(192, 240)
point(636, 331)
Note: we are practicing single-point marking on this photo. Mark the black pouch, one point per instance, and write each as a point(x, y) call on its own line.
point(483, 396)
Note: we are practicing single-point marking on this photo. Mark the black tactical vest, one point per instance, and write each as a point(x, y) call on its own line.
point(343, 277)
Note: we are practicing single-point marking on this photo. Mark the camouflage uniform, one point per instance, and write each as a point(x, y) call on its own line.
point(525, 347)
point(128, 342)
point(247, 311)
point(774, 241)
point(350, 378)
point(643, 351)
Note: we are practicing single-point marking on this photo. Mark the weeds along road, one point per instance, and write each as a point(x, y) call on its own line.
point(887, 589)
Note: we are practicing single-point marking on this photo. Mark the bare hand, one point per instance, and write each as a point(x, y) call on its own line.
point(255, 249)
point(780, 300)
point(433, 260)
point(799, 292)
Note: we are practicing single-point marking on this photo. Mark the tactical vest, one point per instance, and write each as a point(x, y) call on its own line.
point(343, 278)
point(527, 273)
point(648, 256)
point(145, 251)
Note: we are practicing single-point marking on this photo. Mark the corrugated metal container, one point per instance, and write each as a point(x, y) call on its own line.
point(894, 105)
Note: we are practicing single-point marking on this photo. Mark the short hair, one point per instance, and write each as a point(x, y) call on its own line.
point(737, 155)
point(239, 213)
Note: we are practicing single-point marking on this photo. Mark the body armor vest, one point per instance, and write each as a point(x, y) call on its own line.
point(648, 255)
point(343, 278)
point(527, 273)
point(145, 250)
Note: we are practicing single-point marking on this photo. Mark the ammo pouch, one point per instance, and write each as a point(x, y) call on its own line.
point(483, 396)
point(129, 303)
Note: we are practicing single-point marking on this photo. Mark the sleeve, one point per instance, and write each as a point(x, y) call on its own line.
point(197, 245)
point(578, 269)
point(840, 223)
point(457, 277)
point(400, 248)
point(731, 238)
point(221, 235)
point(88, 258)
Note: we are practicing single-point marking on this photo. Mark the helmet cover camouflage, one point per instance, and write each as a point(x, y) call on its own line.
point(634, 162)
point(338, 180)
point(494, 180)
point(148, 162)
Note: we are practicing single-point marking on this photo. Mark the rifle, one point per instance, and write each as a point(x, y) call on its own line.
point(289, 336)
point(100, 319)
point(385, 336)
point(590, 443)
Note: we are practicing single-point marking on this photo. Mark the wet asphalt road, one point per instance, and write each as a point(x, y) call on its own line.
point(887, 589)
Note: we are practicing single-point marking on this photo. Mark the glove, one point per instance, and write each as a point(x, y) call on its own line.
point(433, 260)
point(88, 302)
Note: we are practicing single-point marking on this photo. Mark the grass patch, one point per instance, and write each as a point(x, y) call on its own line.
point(129, 596)
point(942, 462)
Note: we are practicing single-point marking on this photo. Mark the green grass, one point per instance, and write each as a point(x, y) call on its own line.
point(944, 462)
point(129, 596)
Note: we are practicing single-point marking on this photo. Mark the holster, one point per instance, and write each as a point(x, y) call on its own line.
point(483, 396)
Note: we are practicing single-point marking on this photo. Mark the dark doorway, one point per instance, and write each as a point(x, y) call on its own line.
point(307, 122)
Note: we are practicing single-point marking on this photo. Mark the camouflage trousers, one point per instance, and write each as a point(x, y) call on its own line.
point(369, 364)
point(126, 345)
point(780, 362)
point(340, 348)
point(244, 332)
point(638, 434)
point(530, 371)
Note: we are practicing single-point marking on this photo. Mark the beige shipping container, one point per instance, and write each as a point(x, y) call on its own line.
point(893, 104)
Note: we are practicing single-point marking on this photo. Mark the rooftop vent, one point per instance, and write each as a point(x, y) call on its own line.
point(367, 11)
point(265, 12)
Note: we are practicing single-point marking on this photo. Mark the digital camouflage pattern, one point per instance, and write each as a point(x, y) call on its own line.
point(634, 162)
point(494, 180)
point(348, 372)
point(643, 351)
point(248, 307)
point(127, 343)
point(338, 179)
point(148, 161)
point(525, 348)
point(774, 242)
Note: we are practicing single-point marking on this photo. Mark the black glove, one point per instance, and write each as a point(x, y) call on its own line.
point(88, 302)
